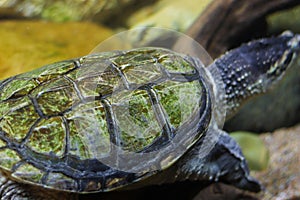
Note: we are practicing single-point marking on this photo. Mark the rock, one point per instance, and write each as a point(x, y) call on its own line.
point(63, 10)
point(32, 44)
point(177, 15)
point(282, 177)
point(253, 148)
point(174, 14)
point(220, 191)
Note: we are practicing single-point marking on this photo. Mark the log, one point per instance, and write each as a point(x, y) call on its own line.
point(227, 23)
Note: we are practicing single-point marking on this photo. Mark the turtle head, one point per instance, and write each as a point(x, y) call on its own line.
point(254, 67)
point(273, 58)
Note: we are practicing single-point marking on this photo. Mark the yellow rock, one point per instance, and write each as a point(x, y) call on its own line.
point(25, 45)
point(174, 14)
point(256, 153)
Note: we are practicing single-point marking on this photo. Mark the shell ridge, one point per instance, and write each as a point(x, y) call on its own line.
point(162, 119)
point(111, 123)
point(67, 136)
point(75, 86)
point(30, 131)
point(115, 67)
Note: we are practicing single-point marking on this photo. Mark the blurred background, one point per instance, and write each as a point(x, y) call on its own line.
point(34, 33)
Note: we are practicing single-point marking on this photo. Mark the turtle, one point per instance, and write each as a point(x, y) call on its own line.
point(126, 119)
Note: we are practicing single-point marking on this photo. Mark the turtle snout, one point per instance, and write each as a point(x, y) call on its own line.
point(294, 43)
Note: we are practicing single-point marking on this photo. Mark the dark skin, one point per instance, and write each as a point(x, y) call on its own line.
point(255, 67)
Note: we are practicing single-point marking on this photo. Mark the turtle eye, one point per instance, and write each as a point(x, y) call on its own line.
point(281, 65)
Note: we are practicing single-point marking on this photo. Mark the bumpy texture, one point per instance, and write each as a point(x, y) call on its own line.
point(59, 121)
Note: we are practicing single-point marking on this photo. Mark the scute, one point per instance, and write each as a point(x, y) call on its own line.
point(18, 88)
point(48, 136)
point(55, 97)
point(89, 136)
point(17, 117)
point(8, 158)
point(178, 100)
point(136, 119)
point(61, 123)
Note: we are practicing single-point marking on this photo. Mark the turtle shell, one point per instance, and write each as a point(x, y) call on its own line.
point(102, 121)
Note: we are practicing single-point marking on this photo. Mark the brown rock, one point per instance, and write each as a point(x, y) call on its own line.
point(282, 177)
